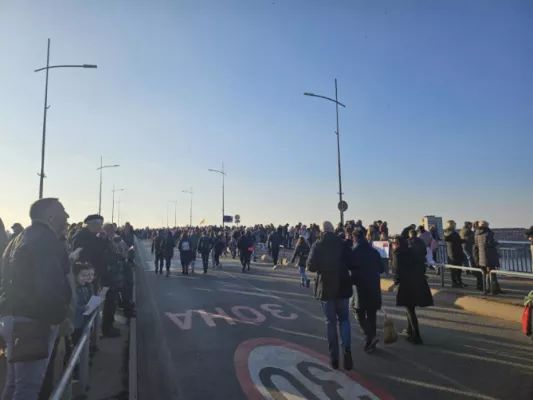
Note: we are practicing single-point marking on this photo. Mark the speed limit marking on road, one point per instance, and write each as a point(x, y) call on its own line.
point(269, 368)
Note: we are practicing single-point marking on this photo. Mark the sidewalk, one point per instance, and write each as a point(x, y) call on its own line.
point(508, 306)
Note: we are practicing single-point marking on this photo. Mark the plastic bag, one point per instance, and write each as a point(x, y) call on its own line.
point(389, 332)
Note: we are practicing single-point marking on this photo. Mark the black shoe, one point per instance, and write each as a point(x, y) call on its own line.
point(417, 340)
point(456, 285)
point(307, 283)
point(348, 361)
point(463, 285)
point(112, 333)
point(371, 345)
point(479, 288)
point(334, 364)
point(168, 273)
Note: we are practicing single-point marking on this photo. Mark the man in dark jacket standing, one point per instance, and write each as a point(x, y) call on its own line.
point(98, 251)
point(158, 251)
point(204, 248)
point(333, 288)
point(367, 267)
point(486, 254)
point(37, 297)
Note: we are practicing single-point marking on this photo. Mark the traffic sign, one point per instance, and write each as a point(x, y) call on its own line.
point(343, 206)
point(237, 218)
point(269, 368)
point(228, 218)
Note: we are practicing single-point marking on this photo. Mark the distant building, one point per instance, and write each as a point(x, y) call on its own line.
point(428, 220)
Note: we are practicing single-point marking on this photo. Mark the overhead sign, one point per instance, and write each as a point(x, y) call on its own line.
point(343, 206)
point(269, 368)
point(228, 218)
point(237, 219)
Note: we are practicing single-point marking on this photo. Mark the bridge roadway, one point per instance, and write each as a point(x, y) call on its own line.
point(257, 335)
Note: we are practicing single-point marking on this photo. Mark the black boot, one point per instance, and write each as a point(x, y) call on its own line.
point(348, 361)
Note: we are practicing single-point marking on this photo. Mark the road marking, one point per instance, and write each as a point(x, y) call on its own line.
point(241, 314)
point(258, 318)
point(208, 317)
point(184, 325)
point(277, 313)
point(269, 368)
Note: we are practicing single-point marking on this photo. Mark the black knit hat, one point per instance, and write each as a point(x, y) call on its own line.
point(529, 232)
point(93, 218)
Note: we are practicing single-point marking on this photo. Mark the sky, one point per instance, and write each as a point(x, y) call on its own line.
point(438, 117)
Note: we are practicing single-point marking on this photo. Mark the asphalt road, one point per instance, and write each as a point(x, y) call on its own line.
point(259, 335)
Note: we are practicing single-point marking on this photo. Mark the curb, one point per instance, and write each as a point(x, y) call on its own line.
point(477, 305)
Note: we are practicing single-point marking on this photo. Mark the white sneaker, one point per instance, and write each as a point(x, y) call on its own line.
point(274, 267)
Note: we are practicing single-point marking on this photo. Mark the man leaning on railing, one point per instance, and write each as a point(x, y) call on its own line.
point(35, 297)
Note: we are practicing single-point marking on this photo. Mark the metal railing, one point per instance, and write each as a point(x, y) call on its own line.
point(524, 275)
point(80, 355)
point(515, 256)
point(442, 267)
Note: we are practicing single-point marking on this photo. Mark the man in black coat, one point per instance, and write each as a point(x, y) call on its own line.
point(456, 256)
point(98, 250)
point(367, 267)
point(273, 244)
point(204, 248)
point(158, 251)
point(36, 297)
point(333, 288)
point(245, 245)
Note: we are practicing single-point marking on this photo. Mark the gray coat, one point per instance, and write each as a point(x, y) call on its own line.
point(486, 249)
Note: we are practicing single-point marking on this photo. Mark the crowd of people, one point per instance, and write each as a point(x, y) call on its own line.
point(48, 273)
point(50, 270)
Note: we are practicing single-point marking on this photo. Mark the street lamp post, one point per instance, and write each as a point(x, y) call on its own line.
point(101, 168)
point(119, 202)
point(190, 193)
point(113, 208)
point(223, 176)
point(175, 202)
point(43, 145)
point(337, 104)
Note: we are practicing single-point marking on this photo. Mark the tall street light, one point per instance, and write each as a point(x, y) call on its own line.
point(175, 202)
point(343, 206)
point(190, 193)
point(47, 68)
point(113, 208)
point(119, 202)
point(101, 168)
point(223, 176)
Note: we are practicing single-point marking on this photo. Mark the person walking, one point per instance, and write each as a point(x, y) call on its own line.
point(366, 301)
point(204, 248)
point(168, 251)
point(301, 252)
point(186, 255)
point(219, 245)
point(273, 245)
point(333, 288)
point(486, 254)
point(157, 250)
point(36, 298)
point(245, 244)
point(413, 289)
point(456, 256)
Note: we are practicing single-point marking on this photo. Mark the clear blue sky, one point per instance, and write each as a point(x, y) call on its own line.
point(439, 113)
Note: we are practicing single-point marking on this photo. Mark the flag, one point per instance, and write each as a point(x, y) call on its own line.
point(202, 222)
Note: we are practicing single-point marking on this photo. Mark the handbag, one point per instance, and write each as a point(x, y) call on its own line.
point(389, 332)
point(526, 320)
point(30, 341)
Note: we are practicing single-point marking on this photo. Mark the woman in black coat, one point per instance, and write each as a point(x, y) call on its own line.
point(186, 253)
point(456, 256)
point(413, 289)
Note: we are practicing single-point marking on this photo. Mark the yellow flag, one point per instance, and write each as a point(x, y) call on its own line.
point(202, 222)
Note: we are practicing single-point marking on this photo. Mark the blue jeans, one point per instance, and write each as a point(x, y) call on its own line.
point(24, 379)
point(303, 275)
point(337, 310)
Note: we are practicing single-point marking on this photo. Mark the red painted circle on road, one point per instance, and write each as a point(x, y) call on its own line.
point(250, 388)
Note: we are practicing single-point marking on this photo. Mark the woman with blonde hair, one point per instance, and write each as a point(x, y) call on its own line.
point(486, 254)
